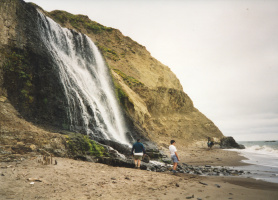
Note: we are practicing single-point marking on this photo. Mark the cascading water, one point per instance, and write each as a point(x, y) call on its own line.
point(92, 104)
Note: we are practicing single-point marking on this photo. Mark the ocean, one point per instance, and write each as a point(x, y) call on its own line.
point(263, 157)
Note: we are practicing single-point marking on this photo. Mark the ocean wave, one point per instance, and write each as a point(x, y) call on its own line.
point(261, 149)
point(260, 153)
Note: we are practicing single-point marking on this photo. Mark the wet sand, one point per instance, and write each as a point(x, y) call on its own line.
point(71, 179)
point(213, 157)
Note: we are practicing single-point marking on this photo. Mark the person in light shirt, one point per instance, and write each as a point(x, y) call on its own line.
point(174, 155)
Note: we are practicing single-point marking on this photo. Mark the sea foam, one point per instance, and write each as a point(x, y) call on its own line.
point(262, 150)
point(263, 157)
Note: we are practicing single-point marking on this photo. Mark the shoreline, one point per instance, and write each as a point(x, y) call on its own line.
point(72, 179)
point(231, 159)
point(213, 157)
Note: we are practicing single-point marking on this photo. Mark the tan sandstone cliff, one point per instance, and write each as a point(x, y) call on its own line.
point(153, 96)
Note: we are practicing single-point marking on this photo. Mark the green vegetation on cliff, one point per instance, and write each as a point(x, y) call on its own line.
point(131, 81)
point(109, 53)
point(78, 21)
point(121, 95)
point(17, 67)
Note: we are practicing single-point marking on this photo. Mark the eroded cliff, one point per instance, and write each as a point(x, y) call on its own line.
point(148, 91)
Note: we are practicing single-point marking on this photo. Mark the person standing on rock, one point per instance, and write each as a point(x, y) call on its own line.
point(174, 155)
point(138, 150)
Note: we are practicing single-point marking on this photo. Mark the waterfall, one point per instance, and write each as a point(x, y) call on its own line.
point(92, 104)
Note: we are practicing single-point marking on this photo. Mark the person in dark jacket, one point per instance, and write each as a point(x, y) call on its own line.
point(210, 143)
point(138, 150)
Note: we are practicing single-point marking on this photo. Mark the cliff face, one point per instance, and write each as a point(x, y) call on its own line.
point(149, 93)
point(29, 76)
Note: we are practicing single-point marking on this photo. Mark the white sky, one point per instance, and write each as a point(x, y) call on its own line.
point(224, 52)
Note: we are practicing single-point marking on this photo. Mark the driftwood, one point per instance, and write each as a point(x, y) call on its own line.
point(34, 179)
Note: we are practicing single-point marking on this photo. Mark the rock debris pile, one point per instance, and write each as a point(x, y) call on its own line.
point(155, 166)
point(206, 170)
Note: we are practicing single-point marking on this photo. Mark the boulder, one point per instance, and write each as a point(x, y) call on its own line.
point(230, 143)
point(146, 158)
point(154, 153)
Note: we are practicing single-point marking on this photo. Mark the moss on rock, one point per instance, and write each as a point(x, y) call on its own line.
point(129, 80)
point(17, 67)
point(78, 144)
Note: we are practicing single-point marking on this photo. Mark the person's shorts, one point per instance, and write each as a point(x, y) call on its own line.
point(138, 157)
point(174, 159)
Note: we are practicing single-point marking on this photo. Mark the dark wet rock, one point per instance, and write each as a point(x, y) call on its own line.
point(20, 149)
point(199, 172)
point(117, 162)
point(146, 158)
point(166, 160)
point(121, 148)
point(154, 153)
point(184, 168)
point(190, 197)
point(179, 167)
point(116, 148)
point(80, 157)
point(177, 185)
point(230, 143)
point(217, 185)
point(184, 164)
point(203, 183)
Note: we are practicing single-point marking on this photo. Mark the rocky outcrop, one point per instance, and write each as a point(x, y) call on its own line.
point(19, 138)
point(230, 143)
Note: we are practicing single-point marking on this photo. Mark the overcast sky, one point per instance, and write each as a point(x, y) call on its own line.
point(224, 52)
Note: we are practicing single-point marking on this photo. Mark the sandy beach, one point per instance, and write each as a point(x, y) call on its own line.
point(201, 155)
point(72, 179)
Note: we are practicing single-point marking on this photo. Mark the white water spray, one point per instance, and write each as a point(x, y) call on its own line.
point(93, 106)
